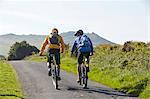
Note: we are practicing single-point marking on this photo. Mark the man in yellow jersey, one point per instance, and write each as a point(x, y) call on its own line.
point(55, 46)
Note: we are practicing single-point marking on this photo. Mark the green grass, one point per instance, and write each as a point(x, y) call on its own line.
point(146, 92)
point(69, 64)
point(36, 58)
point(128, 72)
point(9, 85)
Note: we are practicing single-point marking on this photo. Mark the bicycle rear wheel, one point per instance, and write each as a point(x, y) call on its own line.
point(55, 77)
point(84, 77)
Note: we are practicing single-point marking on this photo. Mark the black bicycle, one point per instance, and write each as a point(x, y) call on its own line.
point(83, 75)
point(54, 71)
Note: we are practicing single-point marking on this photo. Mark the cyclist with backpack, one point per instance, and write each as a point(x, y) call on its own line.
point(55, 46)
point(82, 47)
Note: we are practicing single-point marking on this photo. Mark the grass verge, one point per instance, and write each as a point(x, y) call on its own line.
point(9, 84)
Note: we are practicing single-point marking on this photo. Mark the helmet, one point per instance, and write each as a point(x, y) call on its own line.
point(80, 32)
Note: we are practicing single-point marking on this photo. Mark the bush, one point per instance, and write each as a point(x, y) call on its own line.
point(2, 57)
point(20, 50)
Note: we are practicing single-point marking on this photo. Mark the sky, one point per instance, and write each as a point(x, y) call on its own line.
point(115, 20)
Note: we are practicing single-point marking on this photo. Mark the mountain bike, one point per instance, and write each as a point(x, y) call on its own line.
point(83, 78)
point(54, 71)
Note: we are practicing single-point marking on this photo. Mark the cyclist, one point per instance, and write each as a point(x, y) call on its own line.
point(55, 46)
point(82, 47)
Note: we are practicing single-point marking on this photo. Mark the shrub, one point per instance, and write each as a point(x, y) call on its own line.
point(20, 50)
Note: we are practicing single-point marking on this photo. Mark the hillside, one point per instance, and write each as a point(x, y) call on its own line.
point(36, 40)
point(96, 39)
point(9, 39)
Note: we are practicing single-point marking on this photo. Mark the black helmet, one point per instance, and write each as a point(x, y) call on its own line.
point(78, 32)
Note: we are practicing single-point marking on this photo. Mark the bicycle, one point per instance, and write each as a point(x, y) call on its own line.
point(83, 75)
point(54, 71)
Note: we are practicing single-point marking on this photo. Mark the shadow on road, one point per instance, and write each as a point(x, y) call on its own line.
point(100, 90)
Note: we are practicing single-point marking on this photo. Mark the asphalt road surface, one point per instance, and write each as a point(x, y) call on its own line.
point(37, 84)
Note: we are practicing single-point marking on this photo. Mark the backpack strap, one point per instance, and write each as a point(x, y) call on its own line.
point(80, 40)
point(59, 38)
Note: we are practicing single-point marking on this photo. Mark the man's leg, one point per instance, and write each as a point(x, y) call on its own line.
point(49, 69)
point(58, 71)
point(57, 58)
point(88, 60)
point(80, 60)
point(78, 72)
point(49, 63)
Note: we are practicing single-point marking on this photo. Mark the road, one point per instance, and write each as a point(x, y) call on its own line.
point(37, 84)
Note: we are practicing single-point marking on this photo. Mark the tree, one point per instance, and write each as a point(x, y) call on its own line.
point(20, 50)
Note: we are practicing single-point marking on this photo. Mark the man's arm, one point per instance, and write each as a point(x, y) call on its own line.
point(43, 45)
point(62, 45)
point(74, 47)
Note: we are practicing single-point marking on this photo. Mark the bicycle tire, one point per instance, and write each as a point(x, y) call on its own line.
point(55, 78)
point(84, 77)
point(54, 74)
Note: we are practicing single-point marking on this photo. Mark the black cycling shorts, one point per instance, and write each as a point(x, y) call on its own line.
point(81, 55)
point(56, 53)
